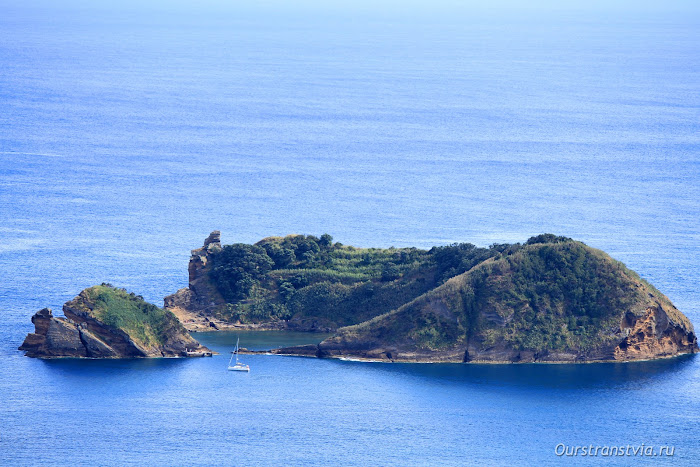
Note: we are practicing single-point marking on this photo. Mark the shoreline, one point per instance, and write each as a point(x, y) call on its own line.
point(195, 322)
point(171, 357)
point(253, 327)
point(454, 362)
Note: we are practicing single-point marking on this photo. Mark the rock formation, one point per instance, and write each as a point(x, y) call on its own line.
point(137, 329)
point(196, 304)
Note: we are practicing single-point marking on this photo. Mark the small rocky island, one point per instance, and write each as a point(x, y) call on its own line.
point(551, 299)
point(107, 322)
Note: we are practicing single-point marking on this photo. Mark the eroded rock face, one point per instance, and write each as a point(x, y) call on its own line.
point(95, 347)
point(37, 339)
point(195, 304)
point(653, 335)
point(213, 241)
point(53, 337)
point(63, 338)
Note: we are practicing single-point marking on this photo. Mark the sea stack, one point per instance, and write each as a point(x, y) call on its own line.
point(196, 305)
point(107, 322)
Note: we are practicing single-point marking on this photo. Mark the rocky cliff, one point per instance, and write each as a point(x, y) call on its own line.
point(202, 306)
point(105, 322)
point(195, 306)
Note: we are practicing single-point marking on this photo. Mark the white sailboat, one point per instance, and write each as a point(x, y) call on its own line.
point(238, 366)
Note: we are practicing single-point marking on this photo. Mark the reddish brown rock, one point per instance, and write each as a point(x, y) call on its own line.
point(195, 305)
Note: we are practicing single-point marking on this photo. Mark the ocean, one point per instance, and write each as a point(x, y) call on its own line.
point(130, 130)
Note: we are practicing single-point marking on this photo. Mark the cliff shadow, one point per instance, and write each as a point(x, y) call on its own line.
point(542, 375)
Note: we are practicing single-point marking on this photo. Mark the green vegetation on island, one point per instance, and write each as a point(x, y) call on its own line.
point(108, 322)
point(147, 324)
point(300, 276)
point(549, 299)
point(552, 299)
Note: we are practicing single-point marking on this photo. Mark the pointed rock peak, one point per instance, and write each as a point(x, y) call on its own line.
point(44, 313)
point(41, 320)
point(213, 240)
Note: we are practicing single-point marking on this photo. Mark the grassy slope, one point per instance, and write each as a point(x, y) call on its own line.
point(145, 323)
point(544, 296)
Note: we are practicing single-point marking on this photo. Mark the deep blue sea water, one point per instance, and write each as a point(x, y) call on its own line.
point(130, 130)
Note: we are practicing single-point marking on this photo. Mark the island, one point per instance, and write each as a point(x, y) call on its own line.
point(108, 322)
point(550, 299)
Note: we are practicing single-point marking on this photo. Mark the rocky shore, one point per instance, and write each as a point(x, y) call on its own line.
point(651, 336)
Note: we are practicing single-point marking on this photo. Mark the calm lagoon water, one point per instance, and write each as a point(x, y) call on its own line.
point(129, 131)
